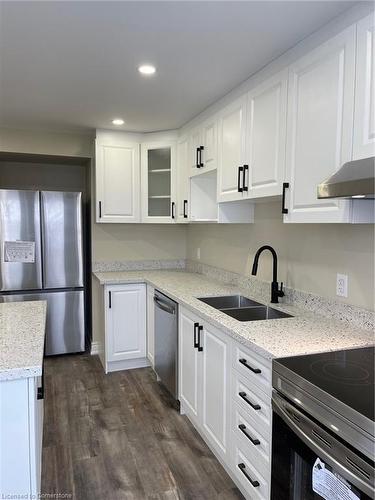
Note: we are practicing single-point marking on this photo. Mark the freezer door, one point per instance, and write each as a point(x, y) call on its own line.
point(20, 260)
point(65, 323)
point(62, 239)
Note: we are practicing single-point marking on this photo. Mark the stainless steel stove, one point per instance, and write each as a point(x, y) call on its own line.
point(323, 436)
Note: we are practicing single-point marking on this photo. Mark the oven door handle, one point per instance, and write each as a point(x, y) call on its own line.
point(279, 406)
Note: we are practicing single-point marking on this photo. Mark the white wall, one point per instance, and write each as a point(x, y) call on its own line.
point(138, 242)
point(310, 255)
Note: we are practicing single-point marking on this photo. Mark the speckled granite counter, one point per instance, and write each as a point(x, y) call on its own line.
point(22, 330)
point(305, 333)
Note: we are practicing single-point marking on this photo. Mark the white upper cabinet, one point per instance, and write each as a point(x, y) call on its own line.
point(266, 136)
point(232, 150)
point(117, 181)
point(158, 165)
point(194, 151)
point(182, 181)
point(364, 114)
point(203, 147)
point(320, 128)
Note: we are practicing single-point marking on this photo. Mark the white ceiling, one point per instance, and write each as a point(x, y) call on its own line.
point(73, 65)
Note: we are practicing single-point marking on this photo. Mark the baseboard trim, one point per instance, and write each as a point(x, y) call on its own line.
point(128, 364)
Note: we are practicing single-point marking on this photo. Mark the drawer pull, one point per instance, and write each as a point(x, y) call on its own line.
point(253, 483)
point(244, 362)
point(242, 428)
point(243, 395)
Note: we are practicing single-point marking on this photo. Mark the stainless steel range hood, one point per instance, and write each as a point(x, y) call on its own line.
point(355, 179)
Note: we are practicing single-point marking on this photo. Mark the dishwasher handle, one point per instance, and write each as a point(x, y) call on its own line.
point(164, 306)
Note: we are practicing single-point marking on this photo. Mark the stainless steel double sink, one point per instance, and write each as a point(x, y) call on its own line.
point(242, 308)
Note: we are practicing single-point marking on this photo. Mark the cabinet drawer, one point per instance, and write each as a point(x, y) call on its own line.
point(251, 435)
point(255, 483)
point(253, 367)
point(249, 397)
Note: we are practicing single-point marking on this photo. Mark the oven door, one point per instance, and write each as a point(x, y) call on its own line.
point(309, 463)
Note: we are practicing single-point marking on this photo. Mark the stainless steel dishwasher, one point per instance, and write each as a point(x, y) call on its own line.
point(166, 335)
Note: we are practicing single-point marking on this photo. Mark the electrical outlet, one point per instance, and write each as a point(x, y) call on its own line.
point(342, 285)
point(198, 253)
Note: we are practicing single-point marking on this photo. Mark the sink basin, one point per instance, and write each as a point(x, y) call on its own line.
point(242, 308)
point(256, 313)
point(229, 302)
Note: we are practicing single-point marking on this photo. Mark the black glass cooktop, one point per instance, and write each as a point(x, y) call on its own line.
point(346, 375)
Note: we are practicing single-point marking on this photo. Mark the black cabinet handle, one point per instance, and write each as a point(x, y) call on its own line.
point(240, 189)
point(100, 209)
point(196, 343)
point(185, 209)
point(242, 428)
point(197, 163)
point(244, 362)
point(172, 209)
point(283, 209)
point(244, 186)
point(110, 300)
point(200, 328)
point(201, 164)
point(40, 390)
point(253, 483)
point(243, 395)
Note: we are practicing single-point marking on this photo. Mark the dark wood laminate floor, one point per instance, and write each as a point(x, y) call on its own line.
point(117, 437)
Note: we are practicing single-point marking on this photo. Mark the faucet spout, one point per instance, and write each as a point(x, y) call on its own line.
point(275, 292)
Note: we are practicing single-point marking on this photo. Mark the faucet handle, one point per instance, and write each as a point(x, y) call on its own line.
point(281, 291)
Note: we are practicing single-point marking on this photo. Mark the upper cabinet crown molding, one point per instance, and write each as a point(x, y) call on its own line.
point(364, 113)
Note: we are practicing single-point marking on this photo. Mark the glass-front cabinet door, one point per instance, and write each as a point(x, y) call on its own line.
point(158, 177)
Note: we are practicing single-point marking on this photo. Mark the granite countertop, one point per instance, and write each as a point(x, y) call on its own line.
point(305, 333)
point(22, 330)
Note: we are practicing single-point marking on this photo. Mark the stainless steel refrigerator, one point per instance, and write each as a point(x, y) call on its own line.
point(41, 238)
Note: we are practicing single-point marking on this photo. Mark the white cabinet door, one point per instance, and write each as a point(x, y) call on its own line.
point(126, 322)
point(189, 365)
point(208, 154)
point(158, 166)
point(320, 127)
point(231, 150)
point(266, 136)
point(117, 182)
point(364, 115)
point(215, 388)
point(195, 142)
point(183, 181)
point(150, 324)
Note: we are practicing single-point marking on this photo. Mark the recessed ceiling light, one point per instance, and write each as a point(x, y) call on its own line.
point(147, 69)
point(118, 121)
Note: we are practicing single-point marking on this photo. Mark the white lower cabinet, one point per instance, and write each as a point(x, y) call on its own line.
point(150, 324)
point(250, 478)
point(21, 435)
point(203, 379)
point(214, 386)
point(125, 327)
point(225, 390)
point(188, 365)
